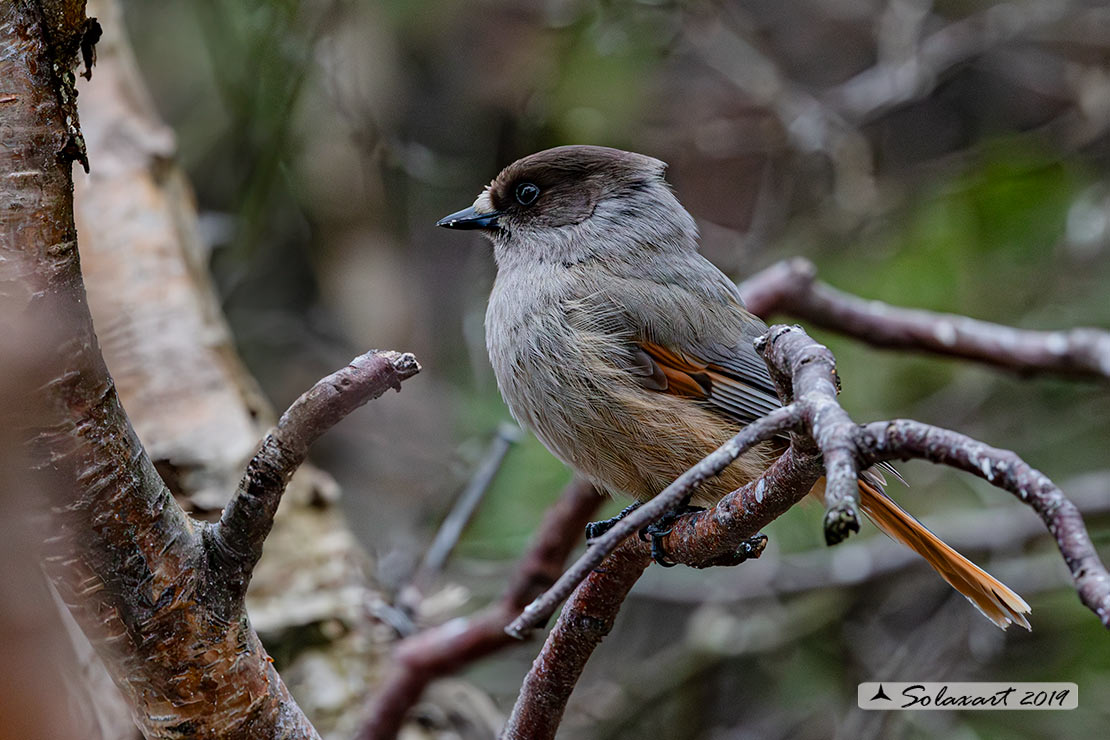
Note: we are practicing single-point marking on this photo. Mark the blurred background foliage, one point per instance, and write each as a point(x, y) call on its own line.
point(949, 155)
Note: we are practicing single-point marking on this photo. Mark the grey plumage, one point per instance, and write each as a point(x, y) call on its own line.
point(573, 298)
point(628, 353)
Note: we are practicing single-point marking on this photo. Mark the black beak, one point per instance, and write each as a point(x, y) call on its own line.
point(468, 218)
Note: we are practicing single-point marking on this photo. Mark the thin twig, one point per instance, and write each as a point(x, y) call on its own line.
point(238, 537)
point(453, 525)
point(791, 288)
point(442, 650)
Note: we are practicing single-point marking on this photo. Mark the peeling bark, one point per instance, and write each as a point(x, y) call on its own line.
point(124, 557)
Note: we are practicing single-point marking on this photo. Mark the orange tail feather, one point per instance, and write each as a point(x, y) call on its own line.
point(990, 596)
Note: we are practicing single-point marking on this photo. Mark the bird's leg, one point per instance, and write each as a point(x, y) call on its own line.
point(662, 527)
point(596, 529)
point(657, 530)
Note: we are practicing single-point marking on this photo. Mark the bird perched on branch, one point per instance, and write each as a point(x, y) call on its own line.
point(629, 354)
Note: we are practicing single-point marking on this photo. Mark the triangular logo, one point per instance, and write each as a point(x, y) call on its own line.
point(880, 694)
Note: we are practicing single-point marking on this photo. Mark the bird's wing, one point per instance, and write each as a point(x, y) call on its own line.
point(734, 383)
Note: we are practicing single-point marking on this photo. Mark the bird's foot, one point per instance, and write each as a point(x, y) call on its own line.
point(662, 527)
point(596, 529)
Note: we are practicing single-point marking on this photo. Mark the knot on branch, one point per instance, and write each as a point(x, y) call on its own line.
point(749, 549)
point(404, 364)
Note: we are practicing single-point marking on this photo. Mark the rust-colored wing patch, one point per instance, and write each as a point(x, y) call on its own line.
point(736, 393)
point(683, 377)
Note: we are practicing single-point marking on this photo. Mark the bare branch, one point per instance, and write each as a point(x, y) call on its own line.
point(810, 369)
point(122, 555)
point(719, 535)
point(723, 535)
point(437, 652)
point(238, 537)
point(996, 529)
point(791, 288)
point(585, 621)
point(903, 439)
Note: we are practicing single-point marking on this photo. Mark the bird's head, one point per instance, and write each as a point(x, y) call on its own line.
point(573, 203)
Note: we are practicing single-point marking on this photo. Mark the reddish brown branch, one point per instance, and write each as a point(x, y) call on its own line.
point(122, 554)
point(437, 652)
point(791, 288)
point(586, 619)
point(993, 530)
point(719, 536)
point(723, 535)
point(132, 568)
point(238, 537)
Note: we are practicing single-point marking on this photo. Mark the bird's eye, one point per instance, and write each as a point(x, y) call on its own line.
point(526, 193)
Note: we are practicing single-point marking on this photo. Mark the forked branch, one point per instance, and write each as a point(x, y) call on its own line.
point(904, 439)
point(539, 611)
point(159, 595)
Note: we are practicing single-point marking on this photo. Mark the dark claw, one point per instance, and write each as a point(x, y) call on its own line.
point(658, 552)
point(596, 529)
point(661, 528)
